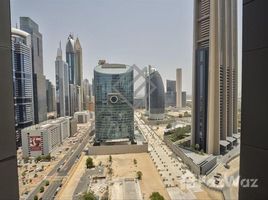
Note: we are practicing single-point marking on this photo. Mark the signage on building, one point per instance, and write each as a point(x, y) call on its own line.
point(35, 143)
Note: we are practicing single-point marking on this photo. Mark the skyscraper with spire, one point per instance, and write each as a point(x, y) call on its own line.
point(74, 60)
point(62, 85)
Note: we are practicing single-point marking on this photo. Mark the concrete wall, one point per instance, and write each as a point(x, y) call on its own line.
point(117, 149)
point(8, 160)
point(254, 137)
point(199, 170)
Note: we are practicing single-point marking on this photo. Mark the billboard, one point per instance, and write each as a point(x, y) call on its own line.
point(35, 143)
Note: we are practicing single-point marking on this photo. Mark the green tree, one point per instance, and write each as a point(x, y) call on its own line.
point(169, 126)
point(139, 175)
point(110, 158)
point(42, 189)
point(88, 196)
point(35, 197)
point(156, 196)
point(135, 161)
point(47, 158)
point(47, 183)
point(89, 163)
point(38, 159)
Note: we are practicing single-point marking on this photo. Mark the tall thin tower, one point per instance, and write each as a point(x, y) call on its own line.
point(178, 87)
point(214, 73)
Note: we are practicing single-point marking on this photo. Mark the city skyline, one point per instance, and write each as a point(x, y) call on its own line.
point(172, 45)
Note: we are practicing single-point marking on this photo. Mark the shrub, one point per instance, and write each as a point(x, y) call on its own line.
point(156, 196)
point(42, 189)
point(47, 183)
point(89, 163)
point(139, 175)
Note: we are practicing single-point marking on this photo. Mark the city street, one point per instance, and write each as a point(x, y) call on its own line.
point(178, 179)
point(57, 174)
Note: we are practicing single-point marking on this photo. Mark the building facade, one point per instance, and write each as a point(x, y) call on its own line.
point(42, 138)
point(39, 80)
point(178, 87)
point(155, 95)
point(74, 61)
point(183, 99)
point(170, 93)
point(254, 147)
point(8, 155)
point(86, 94)
point(214, 74)
point(62, 86)
point(22, 81)
point(114, 112)
point(50, 92)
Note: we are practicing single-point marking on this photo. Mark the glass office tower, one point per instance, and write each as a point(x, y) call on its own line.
point(23, 80)
point(39, 80)
point(114, 113)
point(155, 95)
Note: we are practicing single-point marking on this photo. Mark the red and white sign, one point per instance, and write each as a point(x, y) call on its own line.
point(35, 143)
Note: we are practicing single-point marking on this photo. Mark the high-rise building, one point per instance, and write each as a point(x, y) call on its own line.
point(254, 137)
point(79, 68)
point(39, 80)
point(8, 159)
point(86, 94)
point(170, 99)
point(178, 87)
point(22, 81)
point(214, 75)
point(62, 86)
point(70, 59)
point(50, 88)
point(183, 99)
point(155, 95)
point(114, 112)
point(74, 60)
point(79, 62)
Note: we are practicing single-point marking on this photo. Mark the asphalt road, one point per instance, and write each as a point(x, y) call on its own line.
point(50, 191)
point(52, 188)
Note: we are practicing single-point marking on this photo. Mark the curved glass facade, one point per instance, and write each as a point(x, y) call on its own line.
point(114, 114)
point(156, 96)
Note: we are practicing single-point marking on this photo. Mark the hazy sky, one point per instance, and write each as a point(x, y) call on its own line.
point(141, 32)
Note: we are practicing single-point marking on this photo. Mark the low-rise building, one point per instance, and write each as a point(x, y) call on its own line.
point(40, 140)
point(64, 123)
point(83, 117)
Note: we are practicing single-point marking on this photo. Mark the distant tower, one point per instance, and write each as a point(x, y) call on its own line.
point(170, 99)
point(79, 69)
point(70, 59)
point(62, 86)
point(155, 92)
point(50, 90)
point(214, 75)
point(79, 62)
point(178, 87)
